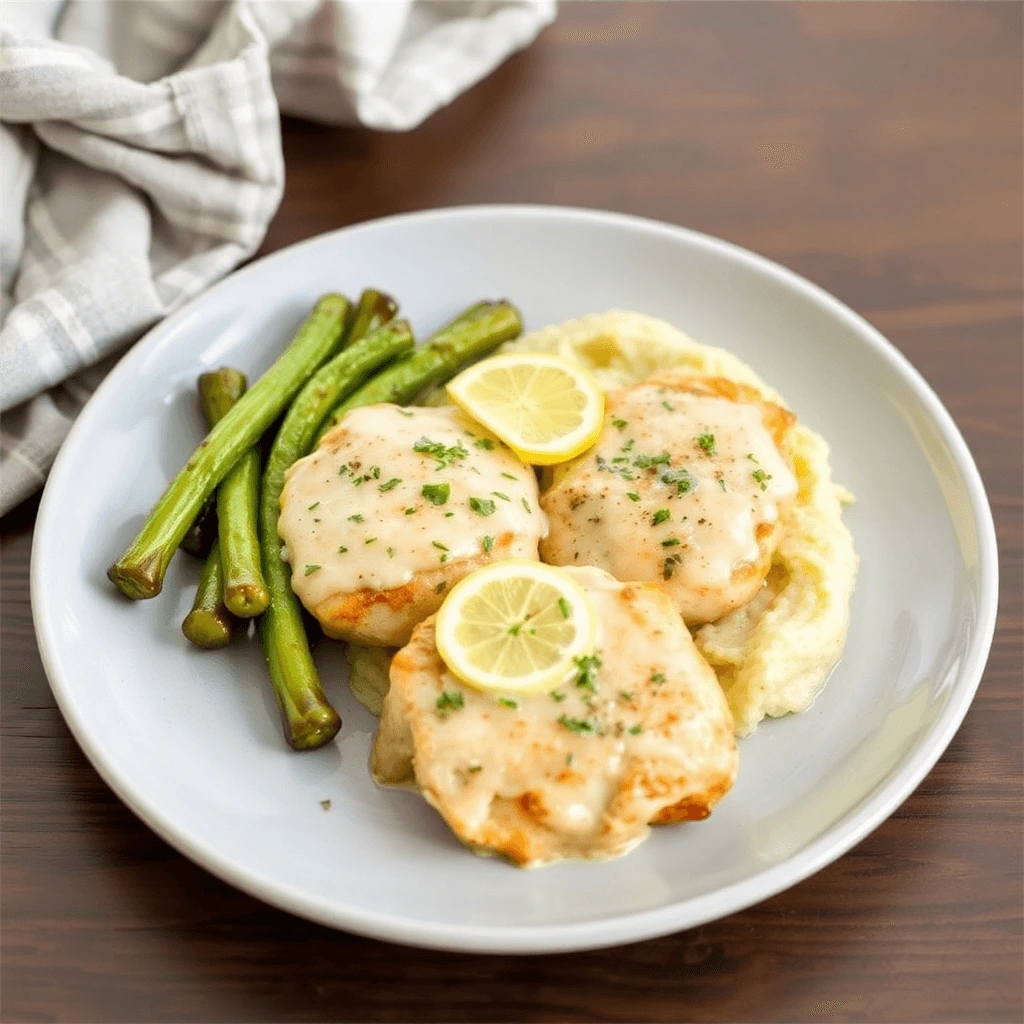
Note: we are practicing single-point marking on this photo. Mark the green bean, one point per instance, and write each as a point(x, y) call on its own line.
point(466, 338)
point(139, 572)
point(209, 624)
point(245, 590)
point(373, 310)
point(309, 719)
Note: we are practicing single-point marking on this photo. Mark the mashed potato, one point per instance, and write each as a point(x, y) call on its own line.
point(773, 655)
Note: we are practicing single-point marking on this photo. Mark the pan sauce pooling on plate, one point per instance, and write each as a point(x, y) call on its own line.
point(393, 508)
point(641, 735)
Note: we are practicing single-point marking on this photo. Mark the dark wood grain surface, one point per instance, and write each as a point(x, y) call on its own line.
point(876, 149)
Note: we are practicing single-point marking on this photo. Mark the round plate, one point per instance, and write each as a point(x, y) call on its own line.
point(190, 740)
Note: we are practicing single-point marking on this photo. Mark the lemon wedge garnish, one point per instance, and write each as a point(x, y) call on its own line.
point(546, 408)
point(515, 626)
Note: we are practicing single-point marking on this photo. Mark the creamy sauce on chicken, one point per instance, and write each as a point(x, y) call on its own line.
point(640, 727)
point(393, 492)
point(675, 489)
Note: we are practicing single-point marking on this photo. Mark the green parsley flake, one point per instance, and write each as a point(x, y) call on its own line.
point(482, 506)
point(484, 442)
point(762, 478)
point(632, 495)
point(405, 412)
point(620, 424)
point(526, 505)
point(498, 494)
point(357, 518)
point(658, 677)
point(444, 455)
point(663, 515)
point(342, 549)
point(449, 701)
point(587, 666)
point(436, 494)
point(487, 544)
point(507, 702)
point(557, 696)
point(411, 510)
point(706, 442)
point(668, 405)
point(510, 476)
point(568, 760)
point(670, 543)
point(682, 479)
point(625, 694)
point(474, 768)
point(316, 504)
point(564, 607)
point(669, 567)
point(622, 471)
point(650, 461)
point(580, 725)
point(390, 485)
point(721, 483)
point(310, 569)
point(635, 730)
point(325, 804)
point(370, 540)
point(391, 552)
point(437, 544)
point(628, 446)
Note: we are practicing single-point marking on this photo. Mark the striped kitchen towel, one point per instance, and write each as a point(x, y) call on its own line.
point(140, 159)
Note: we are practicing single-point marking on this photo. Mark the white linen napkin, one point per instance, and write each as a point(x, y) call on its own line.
point(140, 159)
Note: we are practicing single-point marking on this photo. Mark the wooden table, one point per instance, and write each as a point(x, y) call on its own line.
point(875, 149)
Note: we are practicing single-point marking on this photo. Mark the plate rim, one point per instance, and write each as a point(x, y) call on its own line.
point(841, 836)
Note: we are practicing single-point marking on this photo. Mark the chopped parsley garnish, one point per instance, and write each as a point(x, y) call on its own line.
point(342, 549)
point(706, 443)
point(564, 607)
point(658, 677)
point(449, 701)
point(487, 544)
point(436, 494)
point(619, 470)
point(343, 469)
point(444, 454)
point(668, 405)
point(357, 518)
point(325, 804)
point(474, 768)
point(681, 478)
point(580, 725)
point(632, 495)
point(405, 413)
point(437, 544)
point(751, 456)
point(484, 442)
point(310, 569)
point(568, 760)
point(762, 478)
point(391, 552)
point(650, 461)
point(625, 694)
point(557, 696)
point(671, 542)
point(526, 505)
point(628, 446)
point(507, 702)
point(635, 730)
point(370, 540)
point(721, 483)
point(498, 494)
point(411, 510)
point(587, 666)
point(620, 424)
point(513, 630)
point(316, 504)
point(663, 515)
point(669, 567)
point(482, 506)
point(390, 485)
point(510, 476)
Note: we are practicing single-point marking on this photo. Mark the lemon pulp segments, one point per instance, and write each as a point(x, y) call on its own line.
point(515, 626)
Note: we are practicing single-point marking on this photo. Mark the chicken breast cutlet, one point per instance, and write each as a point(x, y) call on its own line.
point(640, 735)
point(684, 488)
point(395, 507)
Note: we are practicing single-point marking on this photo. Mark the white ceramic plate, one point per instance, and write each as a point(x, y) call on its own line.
point(191, 742)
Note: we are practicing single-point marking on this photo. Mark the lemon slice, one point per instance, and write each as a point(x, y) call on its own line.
point(546, 408)
point(515, 626)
